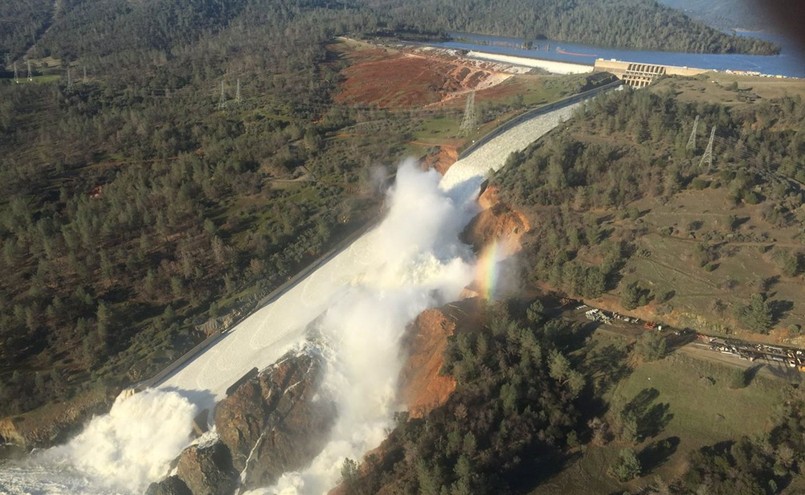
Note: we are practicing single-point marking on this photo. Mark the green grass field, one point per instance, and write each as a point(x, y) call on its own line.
point(700, 408)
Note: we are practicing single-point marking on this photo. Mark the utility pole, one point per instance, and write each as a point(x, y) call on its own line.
point(30, 78)
point(692, 140)
point(237, 93)
point(16, 75)
point(708, 152)
point(470, 116)
point(222, 100)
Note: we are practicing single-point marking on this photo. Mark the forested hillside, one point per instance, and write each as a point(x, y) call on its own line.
point(80, 28)
point(622, 204)
point(21, 23)
point(640, 24)
point(519, 402)
point(136, 206)
point(536, 404)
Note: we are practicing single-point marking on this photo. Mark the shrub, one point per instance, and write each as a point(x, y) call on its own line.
point(699, 183)
point(627, 467)
point(651, 346)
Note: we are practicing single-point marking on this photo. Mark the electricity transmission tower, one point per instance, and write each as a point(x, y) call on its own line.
point(30, 78)
point(16, 74)
point(222, 100)
point(470, 115)
point(707, 157)
point(692, 140)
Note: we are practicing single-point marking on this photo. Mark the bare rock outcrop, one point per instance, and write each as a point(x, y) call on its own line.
point(423, 388)
point(440, 157)
point(171, 485)
point(208, 469)
point(276, 422)
point(54, 423)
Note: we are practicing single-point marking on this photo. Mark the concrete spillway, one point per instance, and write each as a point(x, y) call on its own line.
point(267, 334)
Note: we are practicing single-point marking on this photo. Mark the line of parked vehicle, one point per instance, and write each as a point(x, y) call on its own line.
point(790, 356)
point(793, 358)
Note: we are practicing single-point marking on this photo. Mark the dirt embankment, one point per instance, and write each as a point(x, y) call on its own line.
point(496, 223)
point(412, 78)
point(423, 386)
point(441, 158)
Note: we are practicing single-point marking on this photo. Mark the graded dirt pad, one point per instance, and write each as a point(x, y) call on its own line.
point(410, 78)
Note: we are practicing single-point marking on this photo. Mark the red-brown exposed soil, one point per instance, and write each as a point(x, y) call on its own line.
point(496, 222)
point(441, 158)
point(422, 386)
point(396, 79)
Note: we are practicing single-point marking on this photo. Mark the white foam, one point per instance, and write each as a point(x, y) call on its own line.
point(119, 452)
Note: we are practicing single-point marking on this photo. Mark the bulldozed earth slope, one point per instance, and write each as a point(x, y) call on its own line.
point(399, 78)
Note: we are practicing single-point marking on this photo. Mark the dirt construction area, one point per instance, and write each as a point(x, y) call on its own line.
point(408, 77)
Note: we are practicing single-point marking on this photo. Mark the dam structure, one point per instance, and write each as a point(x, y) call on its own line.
point(639, 75)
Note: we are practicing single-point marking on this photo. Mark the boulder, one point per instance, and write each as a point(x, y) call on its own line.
point(207, 469)
point(239, 421)
point(276, 422)
point(171, 485)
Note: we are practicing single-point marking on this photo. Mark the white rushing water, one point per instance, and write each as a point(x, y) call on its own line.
point(361, 301)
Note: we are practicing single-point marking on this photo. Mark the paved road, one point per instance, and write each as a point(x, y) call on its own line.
point(695, 348)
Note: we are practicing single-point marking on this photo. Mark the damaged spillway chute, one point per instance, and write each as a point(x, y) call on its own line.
point(328, 348)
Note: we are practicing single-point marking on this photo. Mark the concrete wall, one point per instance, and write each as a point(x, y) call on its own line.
point(548, 65)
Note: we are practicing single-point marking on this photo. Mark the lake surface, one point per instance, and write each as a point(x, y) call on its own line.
point(790, 62)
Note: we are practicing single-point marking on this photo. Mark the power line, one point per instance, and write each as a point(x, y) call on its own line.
point(222, 100)
point(708, 152)
point(692, 140)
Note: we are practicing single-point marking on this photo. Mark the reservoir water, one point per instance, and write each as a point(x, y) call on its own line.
point(790, 62)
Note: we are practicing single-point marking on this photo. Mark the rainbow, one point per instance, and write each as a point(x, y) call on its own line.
point(487, 269)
